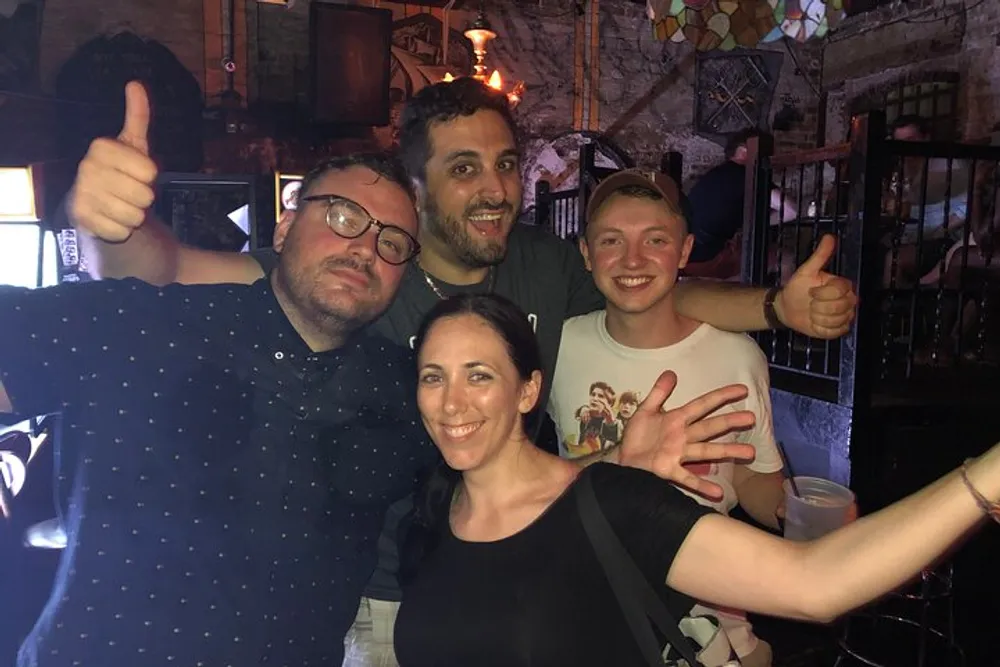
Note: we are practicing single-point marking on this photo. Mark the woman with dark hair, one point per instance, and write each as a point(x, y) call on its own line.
point(509, 576)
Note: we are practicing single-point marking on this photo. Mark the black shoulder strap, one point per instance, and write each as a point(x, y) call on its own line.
point(636, 596)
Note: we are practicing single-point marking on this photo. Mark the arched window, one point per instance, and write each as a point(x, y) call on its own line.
point(934, 97)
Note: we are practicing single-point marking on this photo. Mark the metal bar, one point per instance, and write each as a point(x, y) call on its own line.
point(952, 150)
point(824, 153)
point(803, 372)
point(971, 209)
point(798, 244)
point(915, 289)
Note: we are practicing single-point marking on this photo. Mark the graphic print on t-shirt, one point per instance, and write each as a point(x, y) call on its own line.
point(599, 385)
point(602, 419)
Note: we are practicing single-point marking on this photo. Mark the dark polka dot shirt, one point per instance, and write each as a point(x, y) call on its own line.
point(222, 486)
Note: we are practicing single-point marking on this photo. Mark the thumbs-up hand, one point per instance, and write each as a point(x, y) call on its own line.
point(817, 303)
point(114, 183)
point(135, 130)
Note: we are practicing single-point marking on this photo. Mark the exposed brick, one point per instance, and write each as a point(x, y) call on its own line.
point(867, 52)
point(629, 71)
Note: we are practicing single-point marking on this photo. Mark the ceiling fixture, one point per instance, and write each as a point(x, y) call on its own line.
point(480, 33)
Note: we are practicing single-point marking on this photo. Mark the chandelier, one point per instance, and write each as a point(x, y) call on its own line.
point(480, 33)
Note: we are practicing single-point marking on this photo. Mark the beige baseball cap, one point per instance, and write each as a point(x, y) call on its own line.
point(656, 181)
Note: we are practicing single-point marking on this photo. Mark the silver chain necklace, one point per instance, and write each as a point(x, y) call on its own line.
point(491, 276)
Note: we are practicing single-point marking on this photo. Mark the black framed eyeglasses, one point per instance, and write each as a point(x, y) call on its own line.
point(349, 219)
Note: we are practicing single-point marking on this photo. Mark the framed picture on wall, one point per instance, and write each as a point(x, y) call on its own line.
point(734, 91)
point(350, 63)
point(286, 192)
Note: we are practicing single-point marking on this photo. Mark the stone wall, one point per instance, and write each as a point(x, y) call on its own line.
point(601, 56)
point(876, 50)
point(632, 63)
point(588, 67)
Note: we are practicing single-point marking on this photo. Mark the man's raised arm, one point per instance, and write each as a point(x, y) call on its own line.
point(813, 302)
point(109, 206)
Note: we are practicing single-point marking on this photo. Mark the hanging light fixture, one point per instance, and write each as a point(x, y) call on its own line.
point(481, 33)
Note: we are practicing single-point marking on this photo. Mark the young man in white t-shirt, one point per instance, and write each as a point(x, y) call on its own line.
point(635, 242)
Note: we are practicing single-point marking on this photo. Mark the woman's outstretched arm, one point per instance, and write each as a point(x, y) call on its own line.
point(729, 563)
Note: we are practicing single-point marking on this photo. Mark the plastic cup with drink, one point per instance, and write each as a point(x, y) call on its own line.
point(819, 507)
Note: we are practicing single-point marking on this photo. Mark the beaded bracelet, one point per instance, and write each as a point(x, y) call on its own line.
point(989, 508)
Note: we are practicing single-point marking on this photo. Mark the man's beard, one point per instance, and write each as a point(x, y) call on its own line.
point(453, 232)
point(334, 316)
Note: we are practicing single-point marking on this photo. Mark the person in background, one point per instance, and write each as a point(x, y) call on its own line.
point(910, 127)
point(935, 209)
point(506, 575)
point(717, 203)
point(957, 245)
point(458, 141)
point(635, 243)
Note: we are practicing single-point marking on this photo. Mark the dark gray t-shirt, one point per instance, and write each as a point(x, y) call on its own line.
point(543, 274)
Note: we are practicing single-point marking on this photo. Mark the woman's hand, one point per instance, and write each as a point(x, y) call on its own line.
point(662, 442)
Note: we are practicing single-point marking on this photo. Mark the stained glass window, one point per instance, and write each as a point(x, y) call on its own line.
point(726, 24)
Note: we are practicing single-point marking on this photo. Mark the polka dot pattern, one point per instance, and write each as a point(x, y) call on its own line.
point(222, 486)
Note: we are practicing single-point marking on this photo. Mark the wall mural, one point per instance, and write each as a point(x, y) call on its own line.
point(543, 31)
point(727, 24)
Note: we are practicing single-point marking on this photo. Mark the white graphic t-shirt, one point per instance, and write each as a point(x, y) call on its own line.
point(599, 383)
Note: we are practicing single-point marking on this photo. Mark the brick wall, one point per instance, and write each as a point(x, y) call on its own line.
point(877, 49)
point(604, 56)
point(550, 46)
point(28, 122)
point(632, 62)
point(554, 49)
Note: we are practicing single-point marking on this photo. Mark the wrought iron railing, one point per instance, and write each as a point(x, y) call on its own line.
point(916, 225)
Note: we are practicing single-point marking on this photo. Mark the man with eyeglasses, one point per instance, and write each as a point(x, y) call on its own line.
point(228, 451)
point(459, 145)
